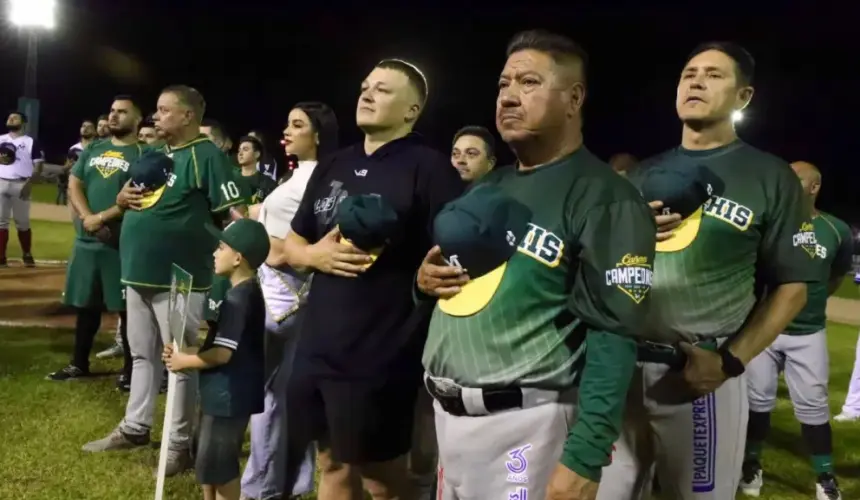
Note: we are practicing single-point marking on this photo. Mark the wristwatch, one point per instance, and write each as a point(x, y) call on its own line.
point(732, 366)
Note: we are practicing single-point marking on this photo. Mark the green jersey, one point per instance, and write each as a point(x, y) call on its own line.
point(753, 233)
point(221, 284)
point(260, 185)
point(568, 303)
point(173, 230)
point(834, 246)
point(102, 168)
point(586, 260)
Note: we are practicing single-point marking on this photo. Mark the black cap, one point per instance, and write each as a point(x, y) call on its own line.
point(479, 232)
point(367, 221)
point(683, 189)
point(8, 153)
point(150, 173)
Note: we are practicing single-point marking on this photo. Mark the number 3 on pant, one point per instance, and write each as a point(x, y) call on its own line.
point(230, 190)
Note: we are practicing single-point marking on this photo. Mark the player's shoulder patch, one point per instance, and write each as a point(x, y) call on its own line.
point(632, 275)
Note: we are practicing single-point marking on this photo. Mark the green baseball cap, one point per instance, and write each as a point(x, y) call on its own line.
point(479, 232)
point(248, 237)
point(367, 222)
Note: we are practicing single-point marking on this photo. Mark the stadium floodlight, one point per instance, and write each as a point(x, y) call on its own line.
point(737, 116)
point(33, 13)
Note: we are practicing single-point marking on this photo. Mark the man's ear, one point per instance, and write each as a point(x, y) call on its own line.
point(577, 97)
point(413, 112)
point(745, 95)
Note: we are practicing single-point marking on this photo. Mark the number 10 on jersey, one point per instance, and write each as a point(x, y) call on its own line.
point(230, 190)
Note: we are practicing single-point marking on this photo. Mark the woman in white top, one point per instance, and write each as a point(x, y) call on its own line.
point(311, 133)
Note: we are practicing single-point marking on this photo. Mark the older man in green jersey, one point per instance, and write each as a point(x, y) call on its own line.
point(687, 407)
point(168, 225)
point(530, 363)
point(801, 351)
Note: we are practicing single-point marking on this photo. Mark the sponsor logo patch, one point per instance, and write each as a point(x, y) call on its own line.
point(805, 239)
point(632, 275)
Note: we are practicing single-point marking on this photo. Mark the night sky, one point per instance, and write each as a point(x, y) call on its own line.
point(252, 60)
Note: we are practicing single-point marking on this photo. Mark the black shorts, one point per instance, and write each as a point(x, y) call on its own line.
point(219, 448)
point(362, 421)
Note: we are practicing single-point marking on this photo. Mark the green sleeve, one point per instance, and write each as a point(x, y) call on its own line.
point(782, 257)
point(78, 167)
point(843, 261)
point(610, 360)
point(616, 244)
point(218, 180)
point(610, 295)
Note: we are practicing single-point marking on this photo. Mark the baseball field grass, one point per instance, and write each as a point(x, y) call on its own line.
point(43, 425)
point(44, 192)
point(51, 240)
point(848, 289)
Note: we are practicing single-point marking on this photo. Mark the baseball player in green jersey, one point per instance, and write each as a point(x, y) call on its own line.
point(801, 351)
point(687, 408)
point(543, 270)
point(93, 274)
point(173, 196)
point(250, 152)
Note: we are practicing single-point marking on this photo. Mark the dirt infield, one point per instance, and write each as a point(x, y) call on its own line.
point(843, 310)
point(33, 297)
point(48, 212)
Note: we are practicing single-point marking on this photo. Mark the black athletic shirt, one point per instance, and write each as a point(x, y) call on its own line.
point(235, 389)
point(369, 326)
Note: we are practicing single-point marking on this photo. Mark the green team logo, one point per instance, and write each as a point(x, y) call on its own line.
point(109, 163)
point(632, 275)
point(805, 239)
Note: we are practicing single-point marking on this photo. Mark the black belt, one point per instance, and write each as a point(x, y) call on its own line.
point(495, 400)
point(669, 354)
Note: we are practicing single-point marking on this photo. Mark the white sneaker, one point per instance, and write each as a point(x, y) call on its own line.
point(826, 488)
point(846, 417)
point(113, 351)
point(751, 484)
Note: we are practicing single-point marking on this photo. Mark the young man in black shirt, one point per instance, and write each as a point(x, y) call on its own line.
point(357, 367)
point(230, 360)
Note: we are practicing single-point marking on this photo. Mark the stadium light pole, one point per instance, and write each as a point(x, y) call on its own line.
point(32, 16)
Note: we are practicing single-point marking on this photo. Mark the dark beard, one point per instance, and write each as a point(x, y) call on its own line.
point(13, 128)
point(88, 137)
point(120, 132)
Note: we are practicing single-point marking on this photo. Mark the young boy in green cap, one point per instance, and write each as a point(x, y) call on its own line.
point(230, 361)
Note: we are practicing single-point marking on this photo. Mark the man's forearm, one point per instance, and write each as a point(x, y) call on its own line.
point(769, 320)
point(77, 198)
point(610, 361)
point(114, 212)
point(296, 254)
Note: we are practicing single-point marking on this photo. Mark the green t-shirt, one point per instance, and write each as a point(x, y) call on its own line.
point(102, 168)
point(834, 246)
point(202, 186)
point(260, 185)
point(750, 235)
point(569, 302)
